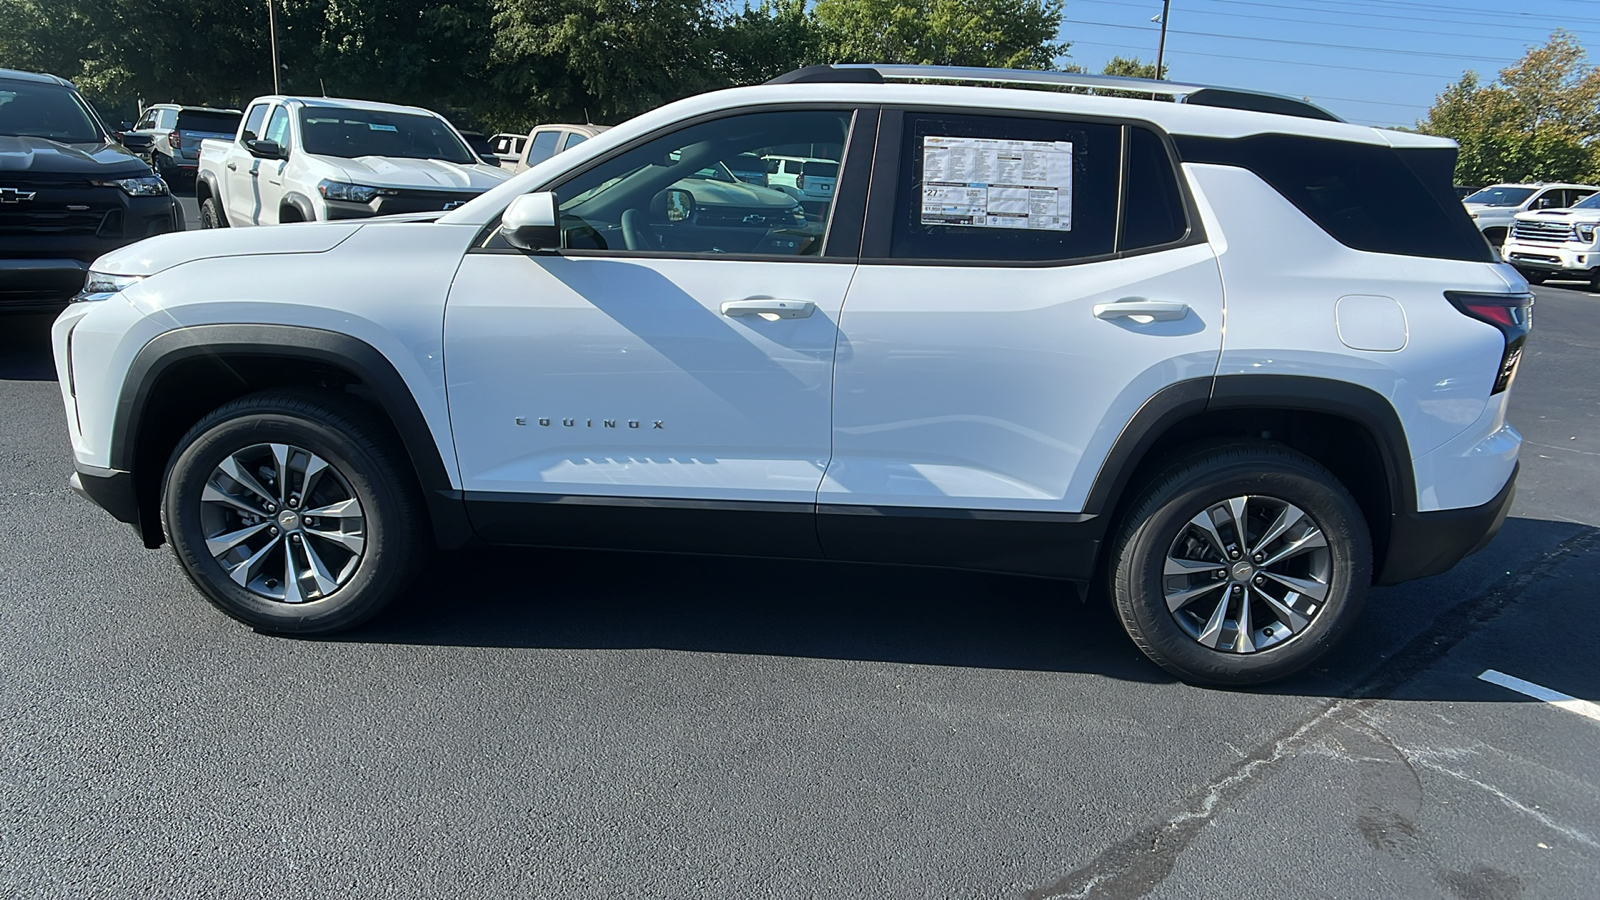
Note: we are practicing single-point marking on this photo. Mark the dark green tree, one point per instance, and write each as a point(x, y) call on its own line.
point(1012, 34)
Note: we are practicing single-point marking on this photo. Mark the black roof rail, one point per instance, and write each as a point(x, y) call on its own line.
point(1196, 94)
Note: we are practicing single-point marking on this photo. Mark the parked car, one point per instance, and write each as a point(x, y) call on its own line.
point(170, 136)
point(69, 192)
point(1557, 243)
point(1493, 208)
point(508, 149)
point(548, 140)
point(481, 145)
point(315, 159)
point(1004, 351)
point(810, 179)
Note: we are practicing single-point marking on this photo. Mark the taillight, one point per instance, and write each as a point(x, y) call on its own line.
point(800, 182)
point(175, 139)
point(1512, 314)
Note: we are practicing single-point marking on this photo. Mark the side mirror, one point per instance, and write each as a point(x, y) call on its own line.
point(680, 205)
point(529, 223)
point(135, 142)
point(263, 149)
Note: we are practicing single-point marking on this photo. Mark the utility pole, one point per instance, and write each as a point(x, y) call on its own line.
point(272, 26)
point(1161, 48)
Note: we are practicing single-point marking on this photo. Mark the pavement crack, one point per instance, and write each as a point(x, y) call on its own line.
point(1136, 865)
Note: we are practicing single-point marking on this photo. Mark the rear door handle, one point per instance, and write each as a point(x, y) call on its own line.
point(768, 308)
point(1148, 310)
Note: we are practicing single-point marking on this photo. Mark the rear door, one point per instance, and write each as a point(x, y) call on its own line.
point(1012, 311)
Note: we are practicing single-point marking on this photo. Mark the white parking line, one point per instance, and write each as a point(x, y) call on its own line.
point(1554, 698)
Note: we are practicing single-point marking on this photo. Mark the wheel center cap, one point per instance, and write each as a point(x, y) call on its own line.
point(1241, 571)
point(289, 519)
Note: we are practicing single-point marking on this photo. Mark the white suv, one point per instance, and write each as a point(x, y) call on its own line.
point(1007, 355)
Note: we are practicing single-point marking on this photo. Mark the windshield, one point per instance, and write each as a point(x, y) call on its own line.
point(1500, 196)
point(45, 111)
point(1590, 202)
point(352, 133)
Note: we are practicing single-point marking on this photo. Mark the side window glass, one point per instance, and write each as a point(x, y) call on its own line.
point(544, 147)
point(252, 122)
point(168, 119)
point(1006, 189)
point(278, 127)
point(146, 121)
point(574, 139)
point(676, 193)
point(1152, 208)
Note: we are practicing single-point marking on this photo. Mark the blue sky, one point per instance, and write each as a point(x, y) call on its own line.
point(1378, 62)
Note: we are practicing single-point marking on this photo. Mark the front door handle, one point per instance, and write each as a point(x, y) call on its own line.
point(769, 308)
point(1142, 310)
point(233, 167)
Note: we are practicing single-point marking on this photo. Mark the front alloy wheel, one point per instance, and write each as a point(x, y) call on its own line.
point(295, 511)
point(283, 523)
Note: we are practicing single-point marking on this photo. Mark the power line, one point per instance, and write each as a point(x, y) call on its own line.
point(1386, 28)
point(1281, 62)
point(1453, 11)
point(1347, 12)
point(1240, 37)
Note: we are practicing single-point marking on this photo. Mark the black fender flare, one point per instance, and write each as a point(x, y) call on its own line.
point(302, 203)
point(1182, 400)
point(340, 351)
point(205, 186)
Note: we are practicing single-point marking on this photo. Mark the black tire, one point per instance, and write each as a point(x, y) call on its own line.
point(1159, 518)
point(367, 463)
point(211, 215)
point(1533, 277)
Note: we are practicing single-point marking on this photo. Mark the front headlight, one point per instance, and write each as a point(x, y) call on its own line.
point(137, 186)
point(102, 285)
point(1586, 233)
point(354, 193)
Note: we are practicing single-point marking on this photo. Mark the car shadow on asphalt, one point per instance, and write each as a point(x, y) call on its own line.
point(25, 347)
point(563, 599)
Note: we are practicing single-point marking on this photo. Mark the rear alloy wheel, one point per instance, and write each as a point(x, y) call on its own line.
point(1241, 565)
point(294, 512)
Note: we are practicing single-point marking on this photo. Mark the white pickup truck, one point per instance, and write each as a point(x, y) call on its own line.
point(316, 159)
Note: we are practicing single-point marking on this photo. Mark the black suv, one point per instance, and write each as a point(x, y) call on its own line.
point(68, 192)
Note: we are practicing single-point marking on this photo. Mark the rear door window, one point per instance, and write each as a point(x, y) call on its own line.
point(208, 122)
point(1007, 189)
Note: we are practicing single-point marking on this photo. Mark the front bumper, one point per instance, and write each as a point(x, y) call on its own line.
point(45, 253)
point(1551, 258)
point(110, 489)
point(1428, 543)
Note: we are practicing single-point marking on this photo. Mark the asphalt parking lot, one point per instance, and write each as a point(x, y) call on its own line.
point(542, 724)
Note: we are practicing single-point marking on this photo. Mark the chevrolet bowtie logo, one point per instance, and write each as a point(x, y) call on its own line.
point(12, 195)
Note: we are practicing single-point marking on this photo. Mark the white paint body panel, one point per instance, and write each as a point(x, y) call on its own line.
point(998, 388)
point(1367, 322)
point(743, 402)
point(1285, 277)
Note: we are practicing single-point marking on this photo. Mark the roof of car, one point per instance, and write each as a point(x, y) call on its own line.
point(1541, 184)
point(181, 108)
point(342, 103)
point(551, 126)
point(35, 77)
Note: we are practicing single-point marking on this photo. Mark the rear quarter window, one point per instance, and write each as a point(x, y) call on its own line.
point(1365, 196)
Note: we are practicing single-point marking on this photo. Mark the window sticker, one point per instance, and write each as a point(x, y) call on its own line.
point(990, 183)
point(373, 126)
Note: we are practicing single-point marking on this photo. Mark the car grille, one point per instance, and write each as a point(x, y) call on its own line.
point(57, 206)
point(1541, 232)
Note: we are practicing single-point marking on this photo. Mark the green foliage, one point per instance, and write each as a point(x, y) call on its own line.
point(1008, 34)
point(505, 63)
point(1131, 67)
point(1539, 121)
